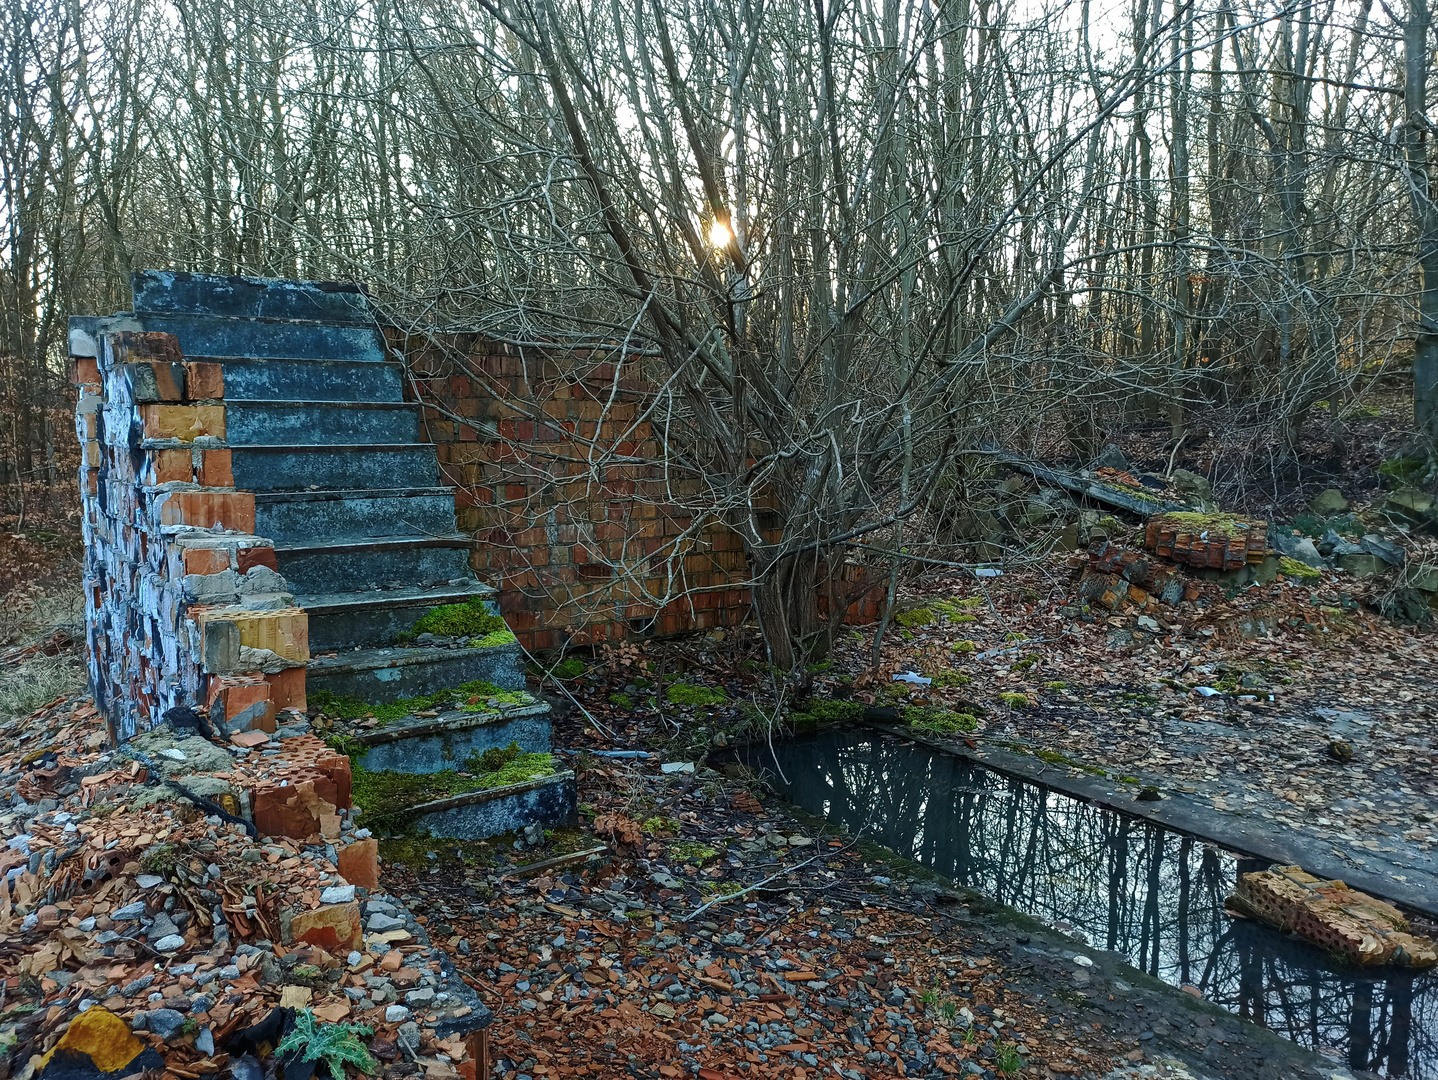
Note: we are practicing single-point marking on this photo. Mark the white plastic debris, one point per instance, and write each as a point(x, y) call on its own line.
point(1082, 961)
point(913, 677)
point(677, 766)
point(988, 571)
point(1208, 691)
point(173, 753)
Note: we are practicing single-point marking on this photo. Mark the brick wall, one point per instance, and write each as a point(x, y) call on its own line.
point(560, 480)
point(183, 602)
point(560, 485)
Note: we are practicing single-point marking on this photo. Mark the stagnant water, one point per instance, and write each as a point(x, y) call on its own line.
point(1118, 882)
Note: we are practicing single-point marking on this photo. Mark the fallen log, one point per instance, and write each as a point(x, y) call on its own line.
point(1122, 498)
point(1343, 921)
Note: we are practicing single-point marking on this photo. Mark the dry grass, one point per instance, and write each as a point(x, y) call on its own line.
point(30, 679)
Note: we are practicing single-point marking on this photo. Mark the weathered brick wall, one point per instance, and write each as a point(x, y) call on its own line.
point(560, 483)
point(183, 602)
point(588, 537)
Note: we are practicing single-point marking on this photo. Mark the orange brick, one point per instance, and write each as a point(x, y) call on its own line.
point(215, 469)
point(206, 560)
point(251, 557)
point(168, 466)
point(233, 510)
point(287, 688)
point(84, 371)
point(204, 382)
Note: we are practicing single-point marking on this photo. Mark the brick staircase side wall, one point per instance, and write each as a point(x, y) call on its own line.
point(582, 553)
point(178, 589)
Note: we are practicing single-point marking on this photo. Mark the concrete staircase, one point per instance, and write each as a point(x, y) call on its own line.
point(363, 531)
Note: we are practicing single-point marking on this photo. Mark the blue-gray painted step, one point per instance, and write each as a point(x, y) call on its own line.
point(294, 516)
point(356, 619)
point(320, 422)
point(382, 675)
point(433, 744)
point(294, 379)
point(371, 562)
point(300, 468)
point(167, 291)
point(221, 335)
point(478, 815)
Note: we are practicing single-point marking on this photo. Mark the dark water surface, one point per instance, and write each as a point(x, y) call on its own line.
point(1120, 883)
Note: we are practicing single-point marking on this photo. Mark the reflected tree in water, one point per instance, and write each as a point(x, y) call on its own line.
point(1120, 883)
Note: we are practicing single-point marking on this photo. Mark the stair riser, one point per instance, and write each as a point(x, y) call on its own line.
point(300, 380)
point(434, 753)
point(282, 469)
point(215, 294)
point(311, 520)
point(204, 336)
point(332, 572)
point(272, 425)
point(378, 626)
point(550, 805)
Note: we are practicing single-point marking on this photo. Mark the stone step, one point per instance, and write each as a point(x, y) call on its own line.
point(303, 467)
point(550, 802)
point(170, 292)
point(372, 618)
point(418, 744)
point(383, 675)
point(374, 562)
point(289, 378)
point(223, 335)
point(320, 422)
point(290, 517)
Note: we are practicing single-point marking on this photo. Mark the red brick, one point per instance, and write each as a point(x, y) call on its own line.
point(251, 557)
point(215, 469)
point(358, 863)
point(287, 688)
point(205, 560)
point(335, 928)
point(204, 382)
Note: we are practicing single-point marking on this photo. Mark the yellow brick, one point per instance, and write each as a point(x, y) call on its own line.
point(285, 631)
point(183, 422)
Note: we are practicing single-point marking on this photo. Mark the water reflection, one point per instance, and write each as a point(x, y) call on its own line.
point(1123, 884)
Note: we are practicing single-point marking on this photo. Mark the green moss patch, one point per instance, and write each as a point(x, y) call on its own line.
point(386, 795)
point(477, 696)
point(690, 851)
point(1014, 701)
point(949, 677)
point(660, 826)
point(918, 617)
point(469, 619)
point(962, 647)
point(1293, 568)
point(689, 694)
point(1214, 523)
point(939, 721)
point(621, 701)
point(816, 713)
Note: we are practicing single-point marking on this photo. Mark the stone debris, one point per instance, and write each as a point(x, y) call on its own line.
point(1338, 919)
point(199, 931)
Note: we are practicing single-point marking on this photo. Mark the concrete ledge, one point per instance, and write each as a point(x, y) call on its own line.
point(380, 676)
point(425, 745)
point(477, 815)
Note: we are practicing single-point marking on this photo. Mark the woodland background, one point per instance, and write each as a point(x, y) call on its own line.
point(856, 248)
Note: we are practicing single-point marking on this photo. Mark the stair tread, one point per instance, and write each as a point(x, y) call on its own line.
point(310, 403)
point(326, 494)
point(373, 659)
point(340, 545)
point(404, 596)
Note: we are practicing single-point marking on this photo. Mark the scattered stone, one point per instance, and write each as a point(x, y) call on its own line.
point(395, 1014)
point(1328, 503)
point(164, 1022)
